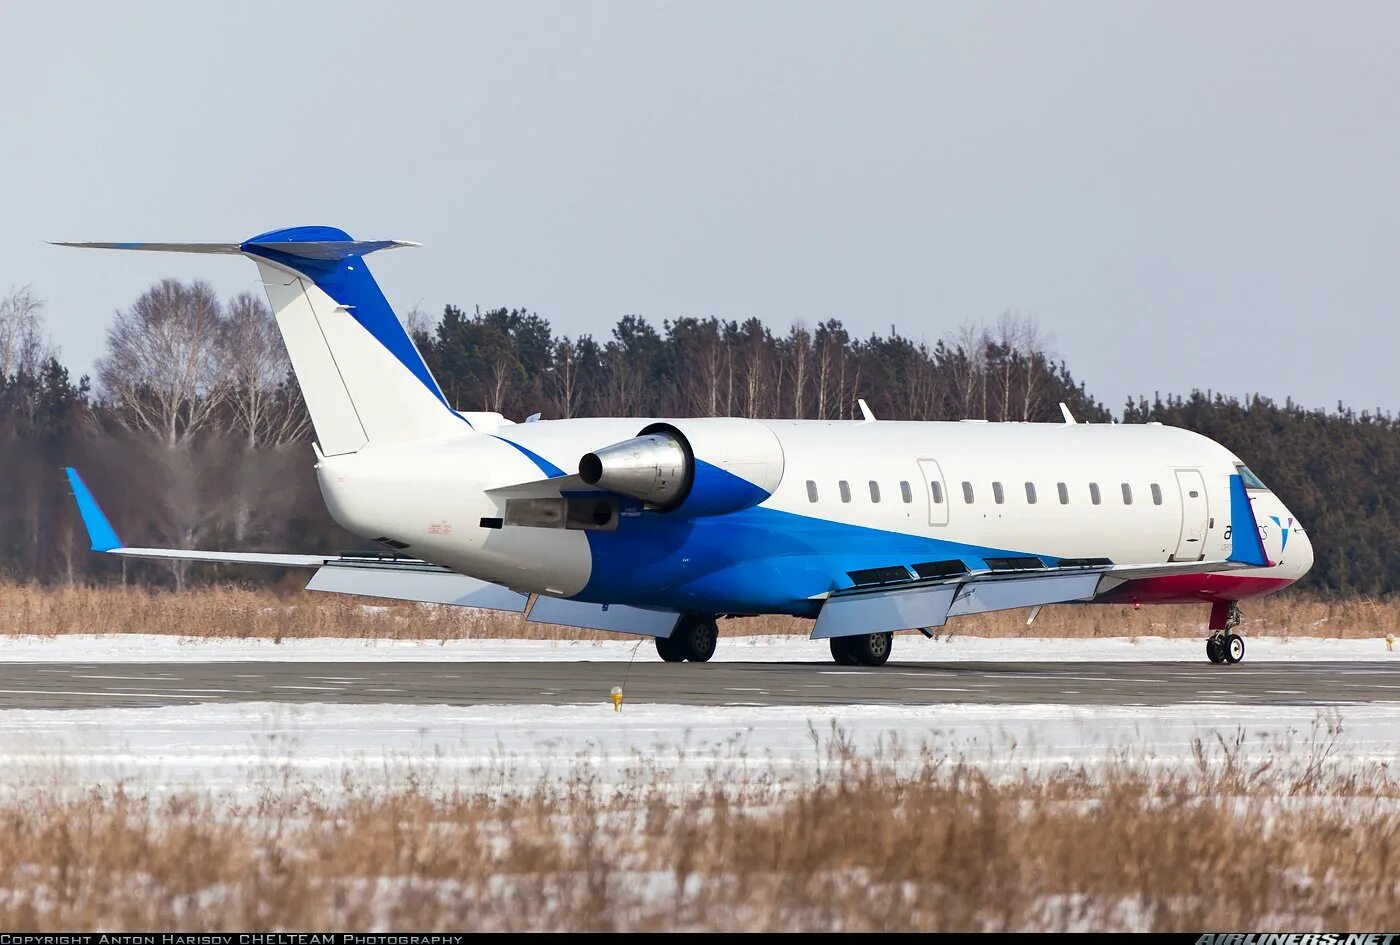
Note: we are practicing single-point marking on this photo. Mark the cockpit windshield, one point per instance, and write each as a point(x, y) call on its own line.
point(1252, 483)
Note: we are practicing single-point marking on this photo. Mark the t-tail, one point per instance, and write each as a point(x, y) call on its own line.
point(362, 377)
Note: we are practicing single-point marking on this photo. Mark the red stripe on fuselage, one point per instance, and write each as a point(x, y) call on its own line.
point(1186, 588)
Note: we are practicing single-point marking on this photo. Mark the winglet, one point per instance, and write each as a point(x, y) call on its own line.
point(1246, 547)
point(1064, 412)
point(100, 532)
point(867, 415)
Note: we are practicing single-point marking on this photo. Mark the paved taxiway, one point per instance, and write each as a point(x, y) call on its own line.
point(100, 685)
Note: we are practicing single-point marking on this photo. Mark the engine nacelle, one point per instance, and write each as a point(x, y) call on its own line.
point(709, 466)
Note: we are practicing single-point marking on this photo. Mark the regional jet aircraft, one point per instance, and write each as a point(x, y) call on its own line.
point(660, 526)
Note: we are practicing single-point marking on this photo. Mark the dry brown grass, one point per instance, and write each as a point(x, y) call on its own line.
point(240, 612)
point(868, 846)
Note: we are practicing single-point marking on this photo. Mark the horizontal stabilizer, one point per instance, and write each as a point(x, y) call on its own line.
point(308, 249)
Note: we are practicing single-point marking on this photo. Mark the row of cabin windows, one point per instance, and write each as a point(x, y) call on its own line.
point(906, 492)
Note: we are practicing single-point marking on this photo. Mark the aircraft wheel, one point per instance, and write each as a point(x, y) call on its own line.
point(1215, 650)
point(841, 652)
point(1233, 646)
point(696, 638)
point(668, 649)
point(871, 649)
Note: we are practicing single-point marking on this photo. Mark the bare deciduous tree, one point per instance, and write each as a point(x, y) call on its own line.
point(265, 408)
point(164, 369)
point(22, 347)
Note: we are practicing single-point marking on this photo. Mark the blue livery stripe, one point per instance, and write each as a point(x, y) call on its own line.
point(758, 560)
point(546, 467)
point(1246, 547)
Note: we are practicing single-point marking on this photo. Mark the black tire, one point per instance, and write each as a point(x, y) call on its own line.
point(841, 652)
point(669, 650)
point(871, 649)
point(1215, 652)
point(696, 638)
point(1233, 647)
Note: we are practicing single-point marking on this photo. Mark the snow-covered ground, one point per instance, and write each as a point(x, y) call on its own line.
point(243, 746)
point(144, 648)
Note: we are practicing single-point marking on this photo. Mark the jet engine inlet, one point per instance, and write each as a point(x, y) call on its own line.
point(654, 468)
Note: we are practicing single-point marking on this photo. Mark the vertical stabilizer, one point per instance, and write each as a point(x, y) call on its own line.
point(363, 379)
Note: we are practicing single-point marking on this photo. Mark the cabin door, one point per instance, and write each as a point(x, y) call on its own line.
point(1195, 516)
point(935, 491)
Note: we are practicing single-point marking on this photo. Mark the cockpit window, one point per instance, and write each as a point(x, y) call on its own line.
point(1251, 481)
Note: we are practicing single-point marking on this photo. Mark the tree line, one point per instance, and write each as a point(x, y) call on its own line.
point(193, 433)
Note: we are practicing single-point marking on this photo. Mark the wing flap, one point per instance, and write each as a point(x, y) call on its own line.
point(894, 609)
point(1036, 590)
point(414, 581)
point(929, 604)
point(618, 618)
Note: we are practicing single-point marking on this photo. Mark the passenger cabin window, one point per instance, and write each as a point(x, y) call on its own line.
point(967, 492)
point(936, 489)
point(1094, 496)
point(1156, 494)
point(811, 491)
point(998, 496)
point(906, 492)
point(1064, 492)
point(874, 491)
point(845, 488)
point(1030, 493)
point(1127, 494)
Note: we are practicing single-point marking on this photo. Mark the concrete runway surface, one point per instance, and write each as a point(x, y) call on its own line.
point(101, 685)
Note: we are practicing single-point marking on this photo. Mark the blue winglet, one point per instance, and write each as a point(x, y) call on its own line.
point(100, 532)
point(1246, 547)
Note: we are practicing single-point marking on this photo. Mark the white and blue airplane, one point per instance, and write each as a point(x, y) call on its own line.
point(661, 526)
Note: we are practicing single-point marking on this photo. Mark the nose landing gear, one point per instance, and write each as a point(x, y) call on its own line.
point(1224, 645)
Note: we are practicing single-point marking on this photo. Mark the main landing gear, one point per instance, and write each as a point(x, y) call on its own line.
point(1224, 644)
point(868, 649)
point(694, 639)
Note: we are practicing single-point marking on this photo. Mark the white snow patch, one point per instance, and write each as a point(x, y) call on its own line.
point(157, 648)
point(246, 745)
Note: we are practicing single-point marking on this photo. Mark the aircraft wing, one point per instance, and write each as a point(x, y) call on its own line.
point(912, 604)
point(363, 574)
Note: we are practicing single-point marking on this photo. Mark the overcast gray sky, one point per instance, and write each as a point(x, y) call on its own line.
point(1182, 194)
